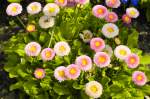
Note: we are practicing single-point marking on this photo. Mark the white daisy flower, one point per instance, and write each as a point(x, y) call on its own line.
point(51, 9)
point(93, 89)
point(122, 51)
point(46, 22)
point(34, 8)
point(86, 36)
point(14, 9)
point(110, 30)
point(132, 12)
point(62, 48)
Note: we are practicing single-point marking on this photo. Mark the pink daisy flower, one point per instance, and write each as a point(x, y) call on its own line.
point(47, 54)
point(97, 44)
point(139, 78)
point(72, 71)
point(61, 2)
point(83, 2)
point(126, 19)
point(34, 8)
point(99, 11)
point(39, 73)
point(14, 9)
point(84, 62)
point(101, 59)
point(113, 3)
point(111, 17)
point(59, 73)
point(132, 12)
point(132, 60)
point(32, 49)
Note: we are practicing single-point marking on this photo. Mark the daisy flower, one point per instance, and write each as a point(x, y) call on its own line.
point(108, 50)
point(83, 2)
point(110, 30)
point(113, 3)
point(61, 2)
point(93, 89)
point(46, 22)
point(39, 73)
point(30, 28)
point(62, 48)
point(139, 78)
point(14, 9)
point(59, 73)
point(51, 9)
point(132, 60)
point(32, 49)
point(99, 11)
point(71, 3)
point(34, 8)
point(111, 17)
point(86, 36)
point(122, 52)
point(97, 44)
point(101, 59)
point(132, 12)
point(47, 54)
point(72, 71)
point(126, 19)
point(84, 62)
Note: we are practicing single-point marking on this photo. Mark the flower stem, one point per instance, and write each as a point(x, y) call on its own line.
point(52, 34)
point(21, 21)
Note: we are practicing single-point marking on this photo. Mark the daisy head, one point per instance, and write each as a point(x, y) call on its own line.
point(132, 12)
point(34, 8)
point(61, 2)
point(30, 28)
point(47, 54)
point(84, 62)
point(59, 73)
point(139, 78)
point(72, 71)
point(101, 59)
point(97, 44)
point(113, 3)
point(32, 49)
point(62, 48)
point(14, 9)
point(46, 22)
point(83, 2)
point(111, 17)
point(126, 19)
point(86, 36)
point(108, 50)
point(110, 30)
point(93, 89)
point(122, 52)
point(132, 60)
point(51, 9)
point(39, 73)
point(99, 11)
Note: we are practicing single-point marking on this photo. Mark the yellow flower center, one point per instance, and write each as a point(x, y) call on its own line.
point(132, 60)
point(84, 62)
point(100, 11)
point(126, 19)
point(51, 10)
point(61, 73)
point(73, 71)
point(94, 88)
point(97, 44)
point(39, 73)
point(139, 77)
point(34, 7)
point(30, 28)
point(48, 54)
point(14, 9)
point(111, 17)
point(62, 48)
point(61, 1)
point(123, 52)
point(110, 29)
point(102, 59)
point(132, 12)
point(32, 48)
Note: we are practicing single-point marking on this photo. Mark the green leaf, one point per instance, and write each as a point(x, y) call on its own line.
point(45, 83)
point(77, 86)
point(145, 59)
point(16, 85)
point(61, 90)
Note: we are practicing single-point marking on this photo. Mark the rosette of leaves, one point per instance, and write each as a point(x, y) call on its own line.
point(116, 80)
